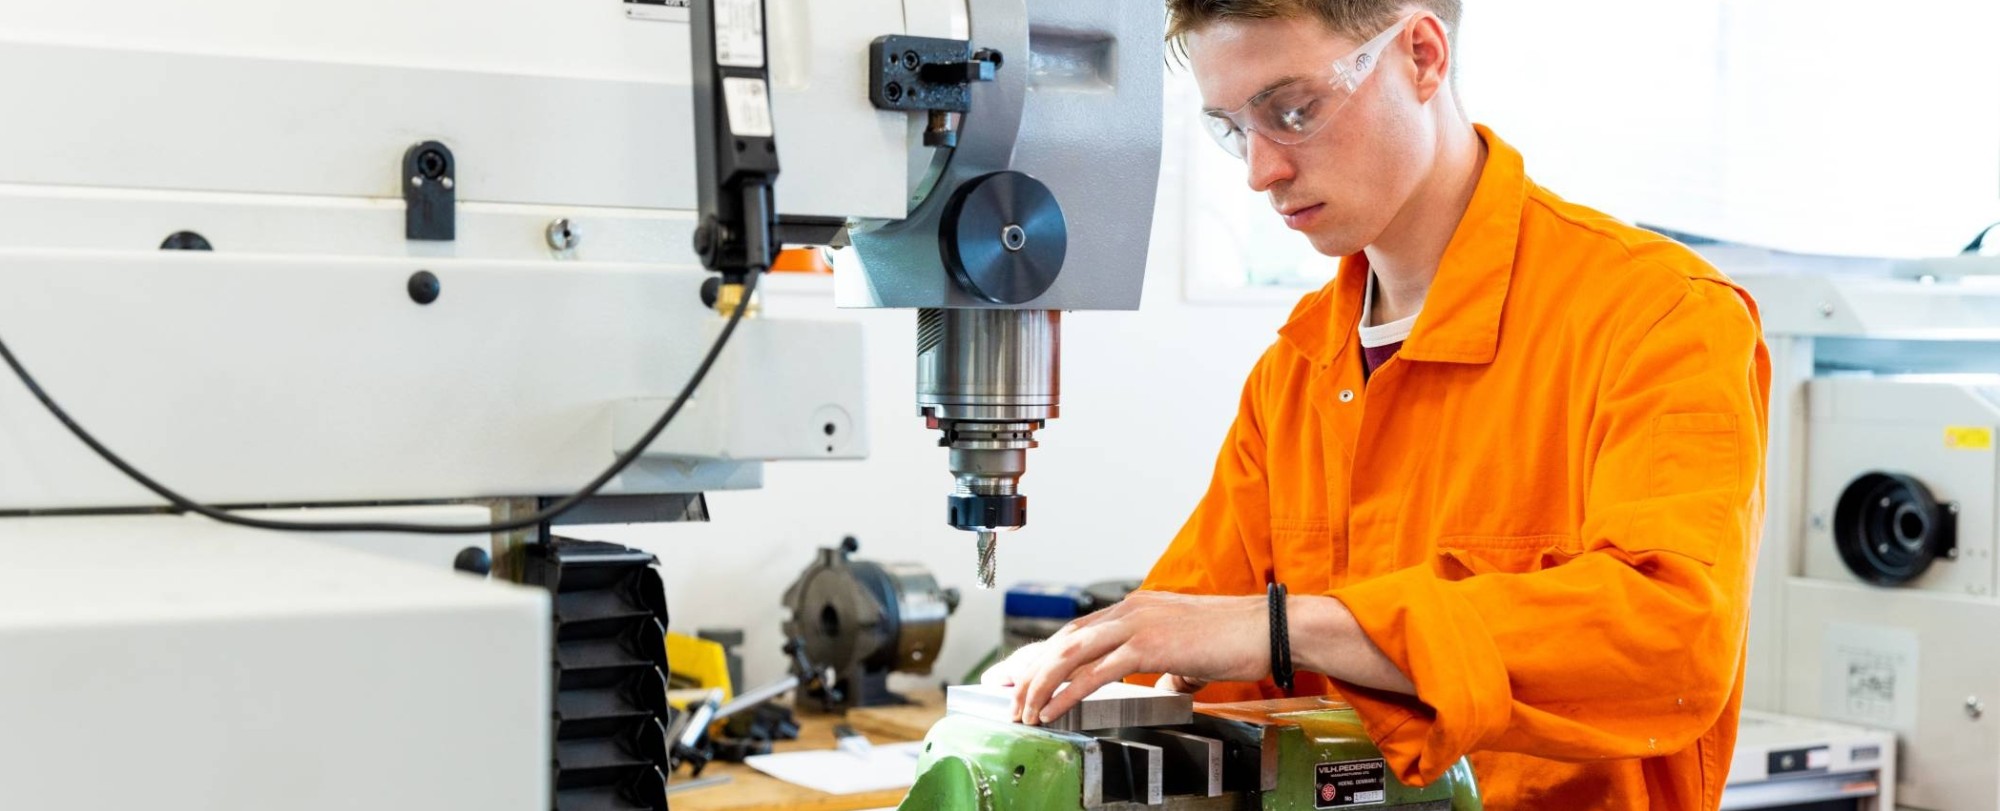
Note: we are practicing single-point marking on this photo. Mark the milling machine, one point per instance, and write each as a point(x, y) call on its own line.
point(393, 272)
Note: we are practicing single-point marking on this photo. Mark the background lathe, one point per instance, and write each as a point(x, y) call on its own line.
point(1877, 588)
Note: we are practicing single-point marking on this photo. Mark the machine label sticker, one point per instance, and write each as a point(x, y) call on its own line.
point(749, 103)
point(1354, 783)
point(1869, 675)
point(1968, 438)
point(739, 33)
point(668, 10)
point(1798, 761)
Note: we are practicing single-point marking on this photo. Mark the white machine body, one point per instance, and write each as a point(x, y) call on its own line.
point(1783, 762)
point(289, 365)
point(1882, 367)
point(174, 664)
point(161, 662)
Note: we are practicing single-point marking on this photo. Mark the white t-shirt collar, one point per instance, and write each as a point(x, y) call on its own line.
point(1393, 332)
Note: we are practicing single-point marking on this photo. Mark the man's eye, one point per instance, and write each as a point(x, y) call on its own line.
point(1296, 118)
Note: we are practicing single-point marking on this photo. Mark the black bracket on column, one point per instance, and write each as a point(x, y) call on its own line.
point(928, 75)
point(736, 146)
point(430, 194)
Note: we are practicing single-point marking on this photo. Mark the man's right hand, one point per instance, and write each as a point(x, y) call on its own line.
point(1002, 674)
point(1179, 684)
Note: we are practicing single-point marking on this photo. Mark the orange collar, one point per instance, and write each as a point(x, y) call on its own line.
point(1460, 322)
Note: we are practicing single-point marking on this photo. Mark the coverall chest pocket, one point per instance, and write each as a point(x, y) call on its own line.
point(1302, 554)
point(1462, 556)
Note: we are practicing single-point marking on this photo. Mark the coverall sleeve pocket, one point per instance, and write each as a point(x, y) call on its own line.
point(1693, 479)
point(1462, 556)
point(1693, 453)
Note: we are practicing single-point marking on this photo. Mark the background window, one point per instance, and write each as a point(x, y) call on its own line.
point(1819, 127)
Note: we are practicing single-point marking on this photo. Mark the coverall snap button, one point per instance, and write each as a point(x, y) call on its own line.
point(1347, 395)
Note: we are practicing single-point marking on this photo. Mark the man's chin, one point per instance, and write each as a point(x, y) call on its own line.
point(1336, 244)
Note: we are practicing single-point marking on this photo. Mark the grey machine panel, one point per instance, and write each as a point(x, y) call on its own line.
point(1921, 664)
point(1907, 426)
point(1076, 104)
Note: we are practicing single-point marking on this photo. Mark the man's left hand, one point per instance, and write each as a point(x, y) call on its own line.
point(1199, 639)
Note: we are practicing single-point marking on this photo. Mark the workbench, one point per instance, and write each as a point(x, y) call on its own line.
point(752, 790)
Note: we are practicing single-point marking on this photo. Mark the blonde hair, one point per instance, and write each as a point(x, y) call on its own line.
point(1358, 20)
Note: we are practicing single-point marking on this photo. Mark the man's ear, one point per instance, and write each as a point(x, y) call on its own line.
point(1432, 51)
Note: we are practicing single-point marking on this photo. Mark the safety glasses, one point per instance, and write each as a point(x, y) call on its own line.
point(1295, 111)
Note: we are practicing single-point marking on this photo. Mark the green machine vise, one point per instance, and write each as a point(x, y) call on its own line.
point(1297, 754)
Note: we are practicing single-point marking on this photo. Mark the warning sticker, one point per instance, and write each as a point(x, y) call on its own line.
point(739, 33)
point(749, 103)
point(1354, 783)
point(1968, 438)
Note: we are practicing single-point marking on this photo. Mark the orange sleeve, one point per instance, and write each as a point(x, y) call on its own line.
point(1631, 646)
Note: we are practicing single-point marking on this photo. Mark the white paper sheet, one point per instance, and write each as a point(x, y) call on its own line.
point(887, 766)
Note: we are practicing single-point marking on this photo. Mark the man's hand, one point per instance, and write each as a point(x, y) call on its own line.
point(1001, 674)
point(1195, 639)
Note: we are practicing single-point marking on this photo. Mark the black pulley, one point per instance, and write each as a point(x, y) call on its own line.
point(1889, 528)
point(1004, 237)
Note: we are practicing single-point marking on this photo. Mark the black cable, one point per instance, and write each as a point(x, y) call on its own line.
point(1979, 242)
point(184, 504)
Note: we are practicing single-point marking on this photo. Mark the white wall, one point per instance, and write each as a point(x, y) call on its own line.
point(1147, 396)
point(1822, 126)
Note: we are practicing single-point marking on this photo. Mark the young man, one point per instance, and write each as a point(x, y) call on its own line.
point(1509, 463)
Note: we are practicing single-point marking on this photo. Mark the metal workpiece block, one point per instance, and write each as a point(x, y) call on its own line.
point(1190, 764)
point(1113, 706)
point(1131, 772)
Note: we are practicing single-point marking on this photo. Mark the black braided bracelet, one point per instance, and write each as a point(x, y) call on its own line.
point(1281, 639)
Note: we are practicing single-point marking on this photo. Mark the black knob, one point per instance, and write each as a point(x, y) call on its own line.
point(473, 560)
point(711, 291)
point(185, 241)
point(424, 287)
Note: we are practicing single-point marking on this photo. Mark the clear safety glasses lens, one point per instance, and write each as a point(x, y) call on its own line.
point(1291, 113)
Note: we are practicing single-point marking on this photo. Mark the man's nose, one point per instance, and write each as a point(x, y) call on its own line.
point(1269, 162)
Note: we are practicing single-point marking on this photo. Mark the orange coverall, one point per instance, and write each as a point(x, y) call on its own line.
point(1544, 509)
